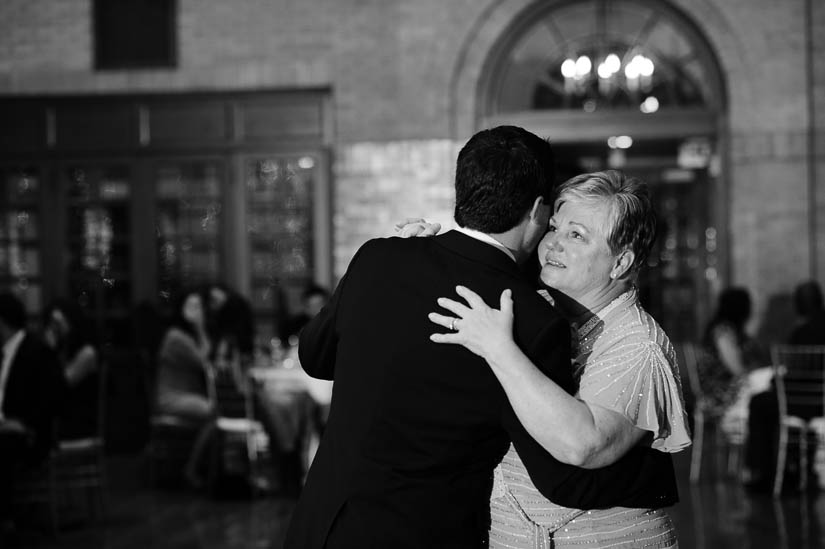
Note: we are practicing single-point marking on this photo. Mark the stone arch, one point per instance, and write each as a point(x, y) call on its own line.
point(502, 17)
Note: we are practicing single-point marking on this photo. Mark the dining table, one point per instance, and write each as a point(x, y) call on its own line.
point(293, 408)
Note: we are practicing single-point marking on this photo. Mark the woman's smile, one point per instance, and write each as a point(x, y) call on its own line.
point(553, 263)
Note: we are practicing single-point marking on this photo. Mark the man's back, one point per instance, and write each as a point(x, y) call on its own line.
point(415, 428)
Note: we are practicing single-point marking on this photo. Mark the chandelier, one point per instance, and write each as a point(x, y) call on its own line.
point(631, 74)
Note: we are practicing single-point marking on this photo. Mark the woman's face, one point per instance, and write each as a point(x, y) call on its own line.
point(193, 309)
point(575, 257)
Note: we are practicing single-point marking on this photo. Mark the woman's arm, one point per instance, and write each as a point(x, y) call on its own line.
point(729, 352)
point(572, 430)
point(81, 365)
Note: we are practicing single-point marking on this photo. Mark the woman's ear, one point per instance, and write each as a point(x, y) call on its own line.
point(622, 265)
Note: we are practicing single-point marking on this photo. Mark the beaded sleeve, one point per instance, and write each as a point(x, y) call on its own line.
point(631, 369)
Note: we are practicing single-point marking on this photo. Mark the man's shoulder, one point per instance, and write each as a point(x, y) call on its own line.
point(394, 243)
point(394, 249)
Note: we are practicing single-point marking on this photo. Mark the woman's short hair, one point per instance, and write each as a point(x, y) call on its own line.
point(632, 221)
point(808, 298)
point(734, 306)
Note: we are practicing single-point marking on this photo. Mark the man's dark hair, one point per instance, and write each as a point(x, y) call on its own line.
point(808, 298)
point(12, 311)
point(499, 174)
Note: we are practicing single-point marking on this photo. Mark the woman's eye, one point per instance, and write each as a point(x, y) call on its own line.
point(551, 228)
point(577, 235)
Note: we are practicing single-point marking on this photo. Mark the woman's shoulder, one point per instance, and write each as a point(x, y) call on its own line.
point(176, 337)
point(634, 326)
point(631, 340)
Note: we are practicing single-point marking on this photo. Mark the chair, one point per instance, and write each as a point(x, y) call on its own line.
point(39, 486)
point(74, 465)
point(240, 444)
point(80, 463)
point(170, 441)
point(733, 444)
point(800, 393)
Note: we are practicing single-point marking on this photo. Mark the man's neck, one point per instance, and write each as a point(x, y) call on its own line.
point(512, 240)
point(489, 239)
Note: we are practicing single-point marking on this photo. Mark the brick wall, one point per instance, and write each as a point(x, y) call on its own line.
point(380, 184)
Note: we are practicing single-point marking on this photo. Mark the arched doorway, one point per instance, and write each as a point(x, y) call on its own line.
point(631, 85)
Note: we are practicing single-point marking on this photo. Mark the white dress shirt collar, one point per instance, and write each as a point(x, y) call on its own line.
point(484, 237)
point(9, 351)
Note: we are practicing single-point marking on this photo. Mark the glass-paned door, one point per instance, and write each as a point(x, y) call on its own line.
point(20, 234)
point(681, 270)
point(280, 190)
point(98, 245)
point(189, 213)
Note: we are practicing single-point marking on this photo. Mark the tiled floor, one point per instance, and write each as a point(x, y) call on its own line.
point(711, 515)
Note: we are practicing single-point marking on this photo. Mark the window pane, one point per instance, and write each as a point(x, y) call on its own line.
point(279, 205)
point(99, 245)
point(134, 33)
point(602, 55)
point(20, 246)
point(188, 225)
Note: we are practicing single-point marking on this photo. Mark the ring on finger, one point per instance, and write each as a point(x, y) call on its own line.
point(452, 324)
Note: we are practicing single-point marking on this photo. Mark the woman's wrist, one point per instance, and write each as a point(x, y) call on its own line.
point(503, 356)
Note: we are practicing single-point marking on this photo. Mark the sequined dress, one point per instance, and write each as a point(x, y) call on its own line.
point(624, 362)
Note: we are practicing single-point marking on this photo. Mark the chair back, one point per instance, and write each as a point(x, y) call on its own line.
point(800, 379)
point(231, 392)
point(102, 396)
point(692, 353)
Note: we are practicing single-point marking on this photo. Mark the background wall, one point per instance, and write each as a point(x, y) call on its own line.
point(400, 85)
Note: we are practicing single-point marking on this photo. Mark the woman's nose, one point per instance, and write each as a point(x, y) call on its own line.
point(551, 242)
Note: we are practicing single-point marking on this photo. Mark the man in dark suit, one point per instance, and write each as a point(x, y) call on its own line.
point(416, 429)
point(31, 390)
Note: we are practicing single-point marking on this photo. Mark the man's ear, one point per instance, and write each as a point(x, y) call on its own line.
point(539, 212)
point(623, 264)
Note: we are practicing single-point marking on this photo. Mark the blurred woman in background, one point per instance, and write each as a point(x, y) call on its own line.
point(184, 376)
point(66, 330)
point(731, 356)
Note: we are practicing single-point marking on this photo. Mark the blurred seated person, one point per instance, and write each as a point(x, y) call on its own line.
point(183, 378)
point(811, 310)
point(763, 417)
point(66, 330)
point(231, 325)
point(731, 355)
point(313, 299)
point(31, 391)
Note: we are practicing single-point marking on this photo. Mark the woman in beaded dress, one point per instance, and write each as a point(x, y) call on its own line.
point(629, 388)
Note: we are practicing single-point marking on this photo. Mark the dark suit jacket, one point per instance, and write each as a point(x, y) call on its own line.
point(34, 392)
point(416, 428)
point(810, 332)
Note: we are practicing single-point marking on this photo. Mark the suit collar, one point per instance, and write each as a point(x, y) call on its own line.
point(478, 251)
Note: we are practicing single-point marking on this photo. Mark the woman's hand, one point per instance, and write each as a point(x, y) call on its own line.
point(416, 226)
point(483, 330)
